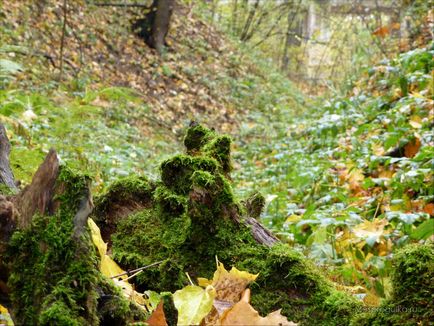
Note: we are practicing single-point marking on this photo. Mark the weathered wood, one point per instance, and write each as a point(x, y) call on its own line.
point(260, 233)
point(80, 218)
point(6, 175)
point(38, 196)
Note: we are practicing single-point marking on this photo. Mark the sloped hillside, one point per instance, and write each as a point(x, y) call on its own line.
point(119, 104)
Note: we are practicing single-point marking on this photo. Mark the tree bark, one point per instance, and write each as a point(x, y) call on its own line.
point(249, 21)
point(234, 20)
point(6, 175)
point(159, 22)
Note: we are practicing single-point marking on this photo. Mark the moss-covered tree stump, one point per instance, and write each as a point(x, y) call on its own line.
point(194, 217)
point(49, 273)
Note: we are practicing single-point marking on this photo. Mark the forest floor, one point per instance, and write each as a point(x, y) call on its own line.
point(346, 182)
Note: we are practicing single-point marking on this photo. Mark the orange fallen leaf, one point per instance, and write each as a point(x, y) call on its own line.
point(381, 31)
point(429, 209)
point(157, 318)
point(229, 284)
point(412, 147)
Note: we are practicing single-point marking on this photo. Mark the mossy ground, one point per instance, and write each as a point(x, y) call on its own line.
point(412, 302)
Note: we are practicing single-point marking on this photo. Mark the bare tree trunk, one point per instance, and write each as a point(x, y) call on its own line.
point(249, 21)
point(159, 21)
point(291, 33)
point(214, 4)
point(234, 19)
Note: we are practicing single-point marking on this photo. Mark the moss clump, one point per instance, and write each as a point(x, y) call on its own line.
point(176, 172)
point(196, 137)
point(289, 282)
point(412, 301)
point(220, 149)
point(54, 277)
point(254, 205)
point(137, 189)
point(193, 219)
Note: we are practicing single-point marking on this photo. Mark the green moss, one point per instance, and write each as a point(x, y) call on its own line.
point(176, 172)
point(412, 301)
point(170, 204)
point(133, 188)
point(413, 275)
point(193, 221)
point(196, 137)
point(254, 205)
point(55, 279)
point(220, 149)
point(289, 282)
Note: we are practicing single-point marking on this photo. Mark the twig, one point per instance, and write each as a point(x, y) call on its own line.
point(136, 5)
point(130, 272)
point(135, 274)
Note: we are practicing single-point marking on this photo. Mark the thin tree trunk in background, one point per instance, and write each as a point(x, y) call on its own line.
point(234, 20)
point(249, 21)
point(213, 9)
point(159, 19)
point(62, 39)
point(289, 37)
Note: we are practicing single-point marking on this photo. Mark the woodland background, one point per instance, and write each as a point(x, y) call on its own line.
point(329, 104)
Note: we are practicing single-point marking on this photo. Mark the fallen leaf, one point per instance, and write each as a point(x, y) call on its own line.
point(110, 268)
point(193, 304)
point(415, 122)
point(157, 318)
point(5, 317)
point(242, 313)
point(228, 285)
point(412, 147)
point(371, 231)
point(429, 209)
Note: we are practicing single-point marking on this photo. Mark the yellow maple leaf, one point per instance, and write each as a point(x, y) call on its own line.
point(110, 268)
point(370, 231)
point(415, 122)
point(229, 285)
point(5, 317)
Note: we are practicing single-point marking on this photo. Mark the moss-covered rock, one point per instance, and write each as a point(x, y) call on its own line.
point(196, 217)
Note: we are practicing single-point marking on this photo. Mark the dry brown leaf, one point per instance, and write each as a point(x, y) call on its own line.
point(411, 149)
point(157, 318)
point(242, 313)
point(229, 285)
